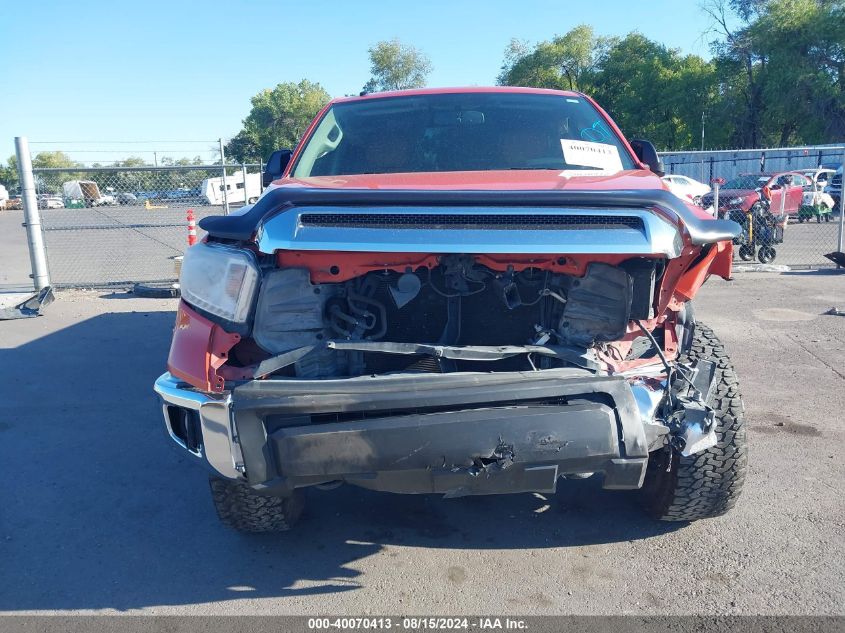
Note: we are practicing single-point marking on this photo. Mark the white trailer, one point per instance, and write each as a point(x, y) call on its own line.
point(4, 196)
point(212, 188)
point(81, 193)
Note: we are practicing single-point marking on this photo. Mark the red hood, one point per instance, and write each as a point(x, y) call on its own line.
point(508, 180)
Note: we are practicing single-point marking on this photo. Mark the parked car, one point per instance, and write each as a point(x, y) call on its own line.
point(50, 202)
point(780, 193)
point(126, 198)
point(686, 188)
point(14, 202)
point(452, 291)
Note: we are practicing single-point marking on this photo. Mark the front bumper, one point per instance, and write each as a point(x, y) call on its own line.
point(456, 434)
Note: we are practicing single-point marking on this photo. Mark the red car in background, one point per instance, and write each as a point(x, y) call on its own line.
point(780, 193)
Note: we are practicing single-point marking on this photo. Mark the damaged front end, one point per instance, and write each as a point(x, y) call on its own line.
point(472, 372)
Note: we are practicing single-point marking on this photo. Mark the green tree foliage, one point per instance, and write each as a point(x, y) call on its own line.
point(278, 118)
point(777, 76)
point(396, 66)
point(654, 92)
point(566, 62)
point(42, 160)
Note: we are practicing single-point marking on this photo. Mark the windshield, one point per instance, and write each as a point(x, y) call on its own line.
point(462, 132)
point(748, 181)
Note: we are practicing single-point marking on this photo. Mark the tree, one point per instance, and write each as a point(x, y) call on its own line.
point(277, 120)
point(396, 66)
point(783, 68)
point(42, 160)
point(654, 92)
point(564, 63)
point(651, 91)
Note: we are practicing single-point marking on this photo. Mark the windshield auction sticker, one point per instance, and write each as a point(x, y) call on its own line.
point(597, 155)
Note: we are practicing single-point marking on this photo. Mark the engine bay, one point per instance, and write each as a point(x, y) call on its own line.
point(456, 303)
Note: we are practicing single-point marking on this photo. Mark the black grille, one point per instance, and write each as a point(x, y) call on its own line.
point(471, 221)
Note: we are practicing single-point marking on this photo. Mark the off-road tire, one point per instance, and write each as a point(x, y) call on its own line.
point(241, 508)
point(706, 484)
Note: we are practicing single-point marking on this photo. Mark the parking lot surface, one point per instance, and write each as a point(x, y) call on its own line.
point(100, 515)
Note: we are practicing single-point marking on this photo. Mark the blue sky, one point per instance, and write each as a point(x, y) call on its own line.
point(164, 72)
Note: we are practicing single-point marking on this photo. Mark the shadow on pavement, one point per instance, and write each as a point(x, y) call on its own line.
point(101, 514)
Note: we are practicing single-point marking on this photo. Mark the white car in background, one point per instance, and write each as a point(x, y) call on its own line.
point(686, 188)
point(46, 201)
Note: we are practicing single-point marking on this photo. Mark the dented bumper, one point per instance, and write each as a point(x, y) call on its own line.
point(456, 434)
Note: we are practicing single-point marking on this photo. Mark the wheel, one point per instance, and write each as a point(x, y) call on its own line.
point(766, 254)
point(252, 200)
point(706, 484)
point(801, 219)
point(827, 217)
point(240, 507)
point(746, 253)
point(819, 218)
point(696, 200)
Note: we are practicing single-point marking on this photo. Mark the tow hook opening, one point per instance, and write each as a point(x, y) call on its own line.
point(185, 428)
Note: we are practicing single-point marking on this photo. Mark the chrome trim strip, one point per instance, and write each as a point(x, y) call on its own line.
point(285, 231)
point(219, 449)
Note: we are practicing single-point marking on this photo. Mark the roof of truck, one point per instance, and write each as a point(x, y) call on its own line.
point(458, 90)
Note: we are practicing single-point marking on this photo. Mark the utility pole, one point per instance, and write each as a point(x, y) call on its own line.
point(155, 155)
point(702, 146)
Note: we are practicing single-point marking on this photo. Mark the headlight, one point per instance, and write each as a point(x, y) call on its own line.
point(220, 280)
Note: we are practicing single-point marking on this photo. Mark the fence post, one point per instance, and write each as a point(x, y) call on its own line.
point(716, 185)
point(246, 194)
point(35, 238)
point(225, 192)
point(842, 209)
point(261, 175)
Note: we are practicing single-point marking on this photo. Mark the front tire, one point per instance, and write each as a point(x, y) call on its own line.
point(706, 484)
point(241, 508)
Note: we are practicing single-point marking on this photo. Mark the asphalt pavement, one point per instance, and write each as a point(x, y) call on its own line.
point(100, 514)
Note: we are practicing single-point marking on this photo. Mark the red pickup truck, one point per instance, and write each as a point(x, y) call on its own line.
point(456, 291)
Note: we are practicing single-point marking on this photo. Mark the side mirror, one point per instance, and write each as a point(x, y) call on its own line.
point(648, 155)
point(275, 166)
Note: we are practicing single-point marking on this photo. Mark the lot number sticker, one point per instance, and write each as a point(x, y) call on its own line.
point(597, 155)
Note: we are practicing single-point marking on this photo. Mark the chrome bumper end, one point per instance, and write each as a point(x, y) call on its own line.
point(216, 442)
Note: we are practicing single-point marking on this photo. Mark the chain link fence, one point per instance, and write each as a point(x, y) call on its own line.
point(109, 226)
point(813, 225)
point(125, 223)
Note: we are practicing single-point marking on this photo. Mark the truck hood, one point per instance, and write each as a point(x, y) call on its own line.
point(508, 180)
point(513, 192)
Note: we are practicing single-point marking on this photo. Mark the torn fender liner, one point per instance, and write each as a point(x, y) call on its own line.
point(32, 307)
point(439, 433)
